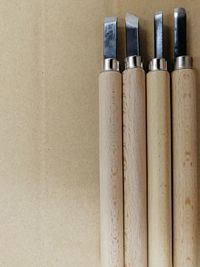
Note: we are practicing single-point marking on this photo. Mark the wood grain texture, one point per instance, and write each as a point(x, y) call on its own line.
point(111, 175)
point(159, 169)
point(134, 144)
point(185, 168)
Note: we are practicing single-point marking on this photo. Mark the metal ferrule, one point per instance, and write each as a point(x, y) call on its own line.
point(110, 64)
point(183, 62)
point(133, 62)
point(158, 64)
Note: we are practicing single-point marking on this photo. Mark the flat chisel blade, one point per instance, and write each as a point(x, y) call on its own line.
point(158, 34)
point(179, 32)
point(132, 35)
point(110, 37)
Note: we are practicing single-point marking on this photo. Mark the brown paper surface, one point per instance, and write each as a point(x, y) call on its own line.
point(49, 64)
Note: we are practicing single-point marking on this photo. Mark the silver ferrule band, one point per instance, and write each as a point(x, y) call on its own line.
point(133, 62)
point(158, 64)
point(110, 64)
point(183, 62)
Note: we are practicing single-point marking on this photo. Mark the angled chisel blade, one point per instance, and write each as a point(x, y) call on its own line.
point(179, 32)
point(158, 34)
point(110, 37)
point(132, 35)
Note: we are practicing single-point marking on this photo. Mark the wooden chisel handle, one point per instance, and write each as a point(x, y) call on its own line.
point(159, 169)
point(111, 182)
point(185, 185)
point(134, 134)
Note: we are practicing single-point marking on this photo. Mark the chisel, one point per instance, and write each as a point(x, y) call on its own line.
point(111, 174)
point(134, 144)
point(185, 187)
point(159, 154)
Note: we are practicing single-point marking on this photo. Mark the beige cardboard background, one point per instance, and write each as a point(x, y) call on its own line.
point(49, 64)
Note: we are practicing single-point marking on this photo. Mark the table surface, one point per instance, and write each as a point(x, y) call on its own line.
point(49, 63)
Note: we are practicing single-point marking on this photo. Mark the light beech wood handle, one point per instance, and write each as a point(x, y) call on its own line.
point(185, 187)
point(134, 134)
point(159, 169)
point(111, 175)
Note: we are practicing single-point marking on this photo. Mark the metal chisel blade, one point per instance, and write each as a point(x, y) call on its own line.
point(132, 35)
point(158, 34)
point(179, 32)
point(110, 37)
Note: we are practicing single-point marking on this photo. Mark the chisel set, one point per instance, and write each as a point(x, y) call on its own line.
point(148, 151)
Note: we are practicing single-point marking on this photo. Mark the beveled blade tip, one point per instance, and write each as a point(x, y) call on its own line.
point(110, 20)
point(179, 11)
point(131, 20)
point(158, 17)
point(158, 14)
